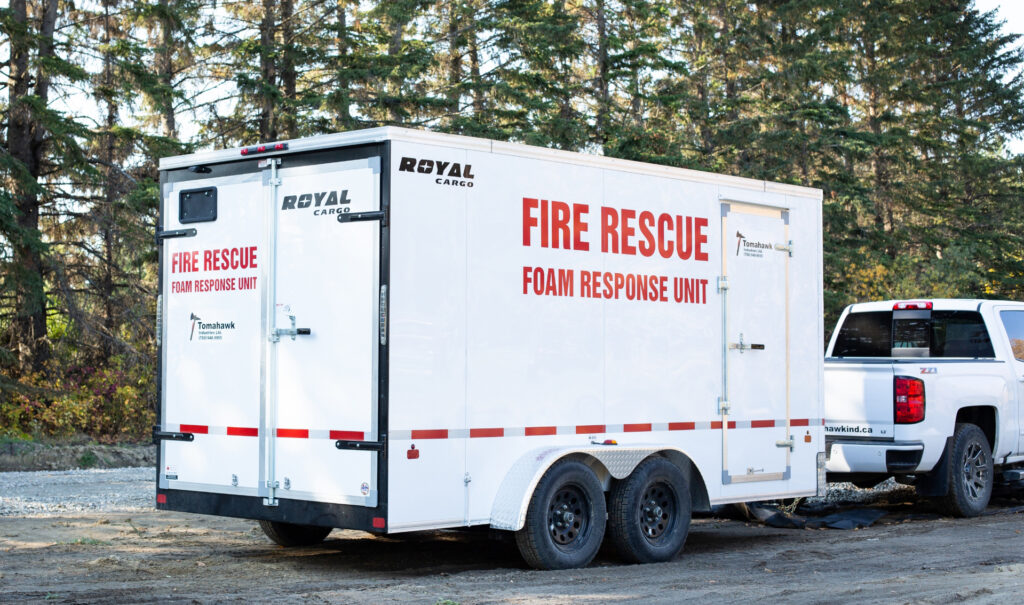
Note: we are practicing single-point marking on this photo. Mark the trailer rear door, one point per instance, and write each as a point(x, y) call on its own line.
point(328, 279)
point(214, 263)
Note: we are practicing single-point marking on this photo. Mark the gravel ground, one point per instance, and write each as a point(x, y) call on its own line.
point(47, 493)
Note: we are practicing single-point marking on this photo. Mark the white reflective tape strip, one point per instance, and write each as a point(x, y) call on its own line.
point(516, 432)
point(458, 433)
point(565, 430)
point(613, 428)
point(401, 435)
point(218, 430)
point(319, 434)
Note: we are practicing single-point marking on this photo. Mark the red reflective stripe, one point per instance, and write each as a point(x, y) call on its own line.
point(800, 422)
point(682, 426)
point(202, 429)
point(589, 428)
point(717, 424)
point(761, 424)
point(636, 428)
point(349, 435)
point(431, 434)
point(486, 432)
point(296, 433)
point(532, 431)
point(243, 431)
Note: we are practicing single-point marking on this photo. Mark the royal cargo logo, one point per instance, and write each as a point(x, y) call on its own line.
point(323, 203)
point(751, 248)
point(208, 330)
point(452, 174)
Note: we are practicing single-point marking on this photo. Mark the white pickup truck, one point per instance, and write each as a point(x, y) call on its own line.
point(931, 392)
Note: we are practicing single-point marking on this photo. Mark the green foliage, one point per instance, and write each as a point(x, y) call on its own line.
point(899, 110)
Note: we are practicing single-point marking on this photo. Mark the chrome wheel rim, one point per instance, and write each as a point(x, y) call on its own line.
point(975, 471)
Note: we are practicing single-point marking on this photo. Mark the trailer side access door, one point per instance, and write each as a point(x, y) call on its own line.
point(755, 405)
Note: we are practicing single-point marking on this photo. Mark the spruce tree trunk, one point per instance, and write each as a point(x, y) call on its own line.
point(289, 122)
point(268, 73)
point(25, 141)
point(165, 72)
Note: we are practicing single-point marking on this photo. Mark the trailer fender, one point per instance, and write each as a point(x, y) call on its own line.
point(509, 509)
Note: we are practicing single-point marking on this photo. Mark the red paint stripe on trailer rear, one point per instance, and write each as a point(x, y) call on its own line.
point(293, 433)
point(243, 431)
point(431, 434)
point(348, 435)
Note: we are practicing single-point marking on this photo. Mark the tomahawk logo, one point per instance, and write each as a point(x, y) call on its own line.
point(739, 242)
point(194, 320)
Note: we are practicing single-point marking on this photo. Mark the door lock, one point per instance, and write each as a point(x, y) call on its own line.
point(742, 346)
point(293, 331)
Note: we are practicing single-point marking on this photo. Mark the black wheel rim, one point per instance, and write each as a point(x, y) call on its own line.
point(657, 511)
point(568, 516)
point(975, 472)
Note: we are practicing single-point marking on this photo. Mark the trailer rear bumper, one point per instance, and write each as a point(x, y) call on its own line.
point(300, 512)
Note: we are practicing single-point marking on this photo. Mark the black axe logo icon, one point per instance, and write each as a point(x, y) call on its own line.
point(739, 240)
point(194, 320)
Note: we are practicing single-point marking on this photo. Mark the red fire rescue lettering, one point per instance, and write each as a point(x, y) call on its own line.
point(548, 281)
point(623, 231)
point(217, 259)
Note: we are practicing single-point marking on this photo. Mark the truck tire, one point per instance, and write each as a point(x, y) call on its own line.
point(290, 534)
point(970, 472)
point(649, 512)
point(565, 519)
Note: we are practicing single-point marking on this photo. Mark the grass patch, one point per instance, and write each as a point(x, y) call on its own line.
point(88, 460)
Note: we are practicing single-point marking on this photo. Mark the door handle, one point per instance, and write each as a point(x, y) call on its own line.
point(293, 331)
point(742, 346)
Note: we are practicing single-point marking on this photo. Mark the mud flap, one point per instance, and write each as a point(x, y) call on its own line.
point(936, 483)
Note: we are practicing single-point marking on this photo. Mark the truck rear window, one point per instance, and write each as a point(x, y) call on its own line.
point(943, 334)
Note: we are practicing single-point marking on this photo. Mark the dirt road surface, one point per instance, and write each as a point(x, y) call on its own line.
point(140, 555)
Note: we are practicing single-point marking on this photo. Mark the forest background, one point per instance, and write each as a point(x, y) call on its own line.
point(900, 110)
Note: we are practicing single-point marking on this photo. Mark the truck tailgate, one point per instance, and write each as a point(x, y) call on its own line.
point(858, 399)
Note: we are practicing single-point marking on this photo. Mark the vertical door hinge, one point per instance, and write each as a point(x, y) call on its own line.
point(723, 283)
point(723, 406)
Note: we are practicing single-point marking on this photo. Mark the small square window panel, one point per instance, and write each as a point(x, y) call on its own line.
point(197, 205)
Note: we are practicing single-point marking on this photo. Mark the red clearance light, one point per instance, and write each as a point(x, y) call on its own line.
point(263, 148)
point(161, 498)
point(905, 306)
point(379, 523)
point(908, 399)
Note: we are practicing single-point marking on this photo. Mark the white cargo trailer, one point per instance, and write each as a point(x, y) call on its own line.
point(393, 330)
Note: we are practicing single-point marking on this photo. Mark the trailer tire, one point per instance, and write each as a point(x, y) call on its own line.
point(649, 512)
point(565, 519)
point(291, 534)
point(970, 472)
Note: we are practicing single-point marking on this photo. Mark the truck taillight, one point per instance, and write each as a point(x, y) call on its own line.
point(908, 399)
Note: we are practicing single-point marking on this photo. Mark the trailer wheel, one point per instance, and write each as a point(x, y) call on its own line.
point(565, 520)
point(649, 512)
point(970, 472)
point(290, 534)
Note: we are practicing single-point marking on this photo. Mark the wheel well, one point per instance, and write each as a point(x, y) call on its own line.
point(984, 417)
point(699, 500)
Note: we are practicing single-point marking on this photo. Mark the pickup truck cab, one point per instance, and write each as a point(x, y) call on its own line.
point(930, 392)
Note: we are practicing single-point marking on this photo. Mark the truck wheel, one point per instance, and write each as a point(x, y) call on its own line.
point(970, 472)
point(290, 534)
point(565, 519)
point(649, 512)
